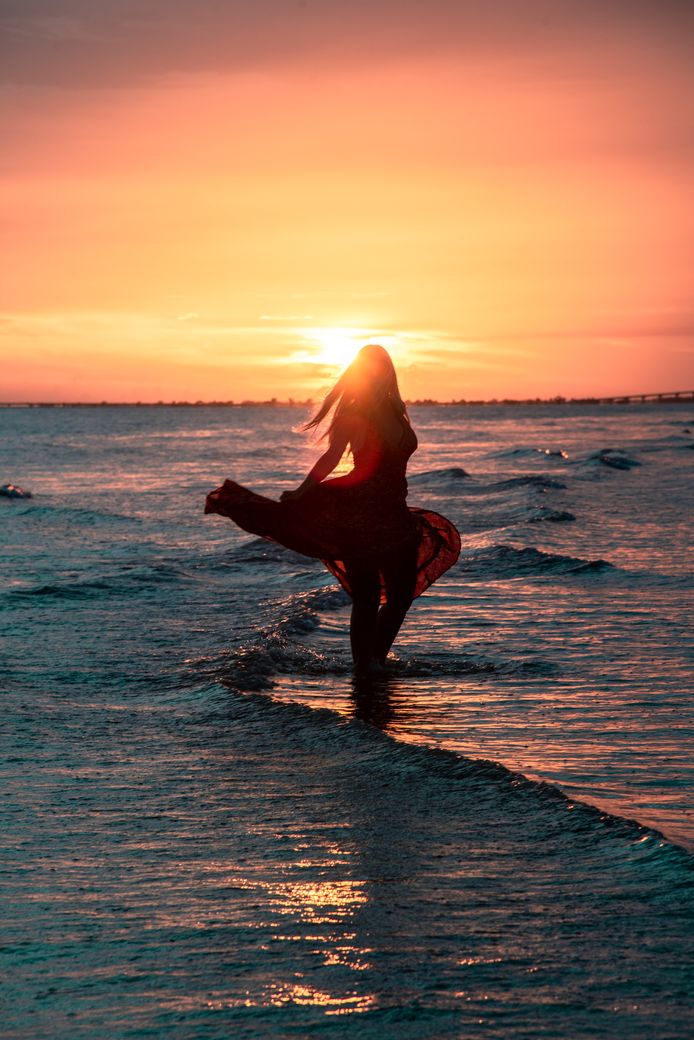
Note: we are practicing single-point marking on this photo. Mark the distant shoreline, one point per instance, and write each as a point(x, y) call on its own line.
point(672, 397)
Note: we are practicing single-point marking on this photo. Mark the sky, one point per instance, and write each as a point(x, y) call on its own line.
point(207, 200)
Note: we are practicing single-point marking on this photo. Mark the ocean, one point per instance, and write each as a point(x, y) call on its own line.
point(211, 830)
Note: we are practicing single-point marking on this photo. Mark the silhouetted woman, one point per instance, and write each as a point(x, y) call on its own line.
point(382, 552)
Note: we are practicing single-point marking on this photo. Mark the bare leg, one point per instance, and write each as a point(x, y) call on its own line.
point(366, 590)
point(399, 574)
point(390, 619)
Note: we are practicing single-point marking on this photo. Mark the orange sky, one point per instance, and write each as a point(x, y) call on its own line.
point(207, 201)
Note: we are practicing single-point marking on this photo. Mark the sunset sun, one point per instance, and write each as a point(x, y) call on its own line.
point(335, 346)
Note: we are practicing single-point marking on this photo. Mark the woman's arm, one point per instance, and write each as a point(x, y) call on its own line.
point(325, 465)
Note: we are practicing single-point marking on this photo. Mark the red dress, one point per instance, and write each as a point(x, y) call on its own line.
point(361, 518)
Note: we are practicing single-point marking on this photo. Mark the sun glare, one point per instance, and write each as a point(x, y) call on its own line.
point(336, 347)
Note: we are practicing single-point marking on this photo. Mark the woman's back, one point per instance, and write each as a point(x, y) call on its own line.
point(381, 444)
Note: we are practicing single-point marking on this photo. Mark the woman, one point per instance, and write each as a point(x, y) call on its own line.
point(383, 553)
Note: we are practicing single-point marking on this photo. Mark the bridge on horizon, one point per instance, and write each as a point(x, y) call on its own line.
point(670, 395)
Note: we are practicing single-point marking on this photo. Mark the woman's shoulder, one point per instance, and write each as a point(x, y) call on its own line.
point(387, 424)
point(395, 426)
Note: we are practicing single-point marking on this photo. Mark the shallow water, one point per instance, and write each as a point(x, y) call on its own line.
point(197, 845)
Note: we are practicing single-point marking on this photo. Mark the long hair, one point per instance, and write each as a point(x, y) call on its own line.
point(366, 386)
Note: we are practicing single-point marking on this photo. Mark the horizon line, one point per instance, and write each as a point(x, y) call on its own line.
point(650, 397)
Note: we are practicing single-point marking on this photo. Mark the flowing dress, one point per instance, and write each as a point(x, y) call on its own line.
point(361, 519)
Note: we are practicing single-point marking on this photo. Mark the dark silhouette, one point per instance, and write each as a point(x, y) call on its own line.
point(382, 552)
point(377, 697)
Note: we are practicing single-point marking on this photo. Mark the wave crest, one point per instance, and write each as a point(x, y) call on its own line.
point(508, 561)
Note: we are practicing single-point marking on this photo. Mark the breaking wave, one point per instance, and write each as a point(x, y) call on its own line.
point(508, 561)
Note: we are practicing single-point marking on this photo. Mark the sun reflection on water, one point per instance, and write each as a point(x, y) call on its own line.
point(303, 995)
point(321, 902)
point(315, 913)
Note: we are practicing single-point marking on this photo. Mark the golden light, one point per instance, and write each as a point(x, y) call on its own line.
point(337, 346)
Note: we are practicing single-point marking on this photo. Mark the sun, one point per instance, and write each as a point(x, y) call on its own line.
point(337, 346)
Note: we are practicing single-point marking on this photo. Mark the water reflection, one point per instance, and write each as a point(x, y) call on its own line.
point(372, 699)
point(310, 905)
point(303, 995)
point(318, 902)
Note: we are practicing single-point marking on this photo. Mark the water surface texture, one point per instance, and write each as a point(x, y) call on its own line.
point(211, 831)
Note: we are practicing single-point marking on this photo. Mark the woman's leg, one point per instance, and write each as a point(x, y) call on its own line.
point(365, 584)
point(400, 576)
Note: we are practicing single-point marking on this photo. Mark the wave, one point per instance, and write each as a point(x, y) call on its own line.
point(130, 580)
point(539, 482)
point(262, 550)
point(445, 664)
point(509, 453)
point(506, 517)
point(439, 477)
point(673, 442)
point(278, 649)
point(256, 666)
point(495, 790)
point(508, 561)
point(63, 590)
point(613, 458)
point(74, 514)
point(553, 516)
point(274, 650)
point(534, 480)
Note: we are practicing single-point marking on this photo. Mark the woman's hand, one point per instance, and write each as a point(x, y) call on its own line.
point(325, 465)
point(287, 496)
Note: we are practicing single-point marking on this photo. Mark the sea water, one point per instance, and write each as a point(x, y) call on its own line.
point(211, 830)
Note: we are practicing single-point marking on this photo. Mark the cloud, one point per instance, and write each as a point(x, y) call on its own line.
point(286, 317)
